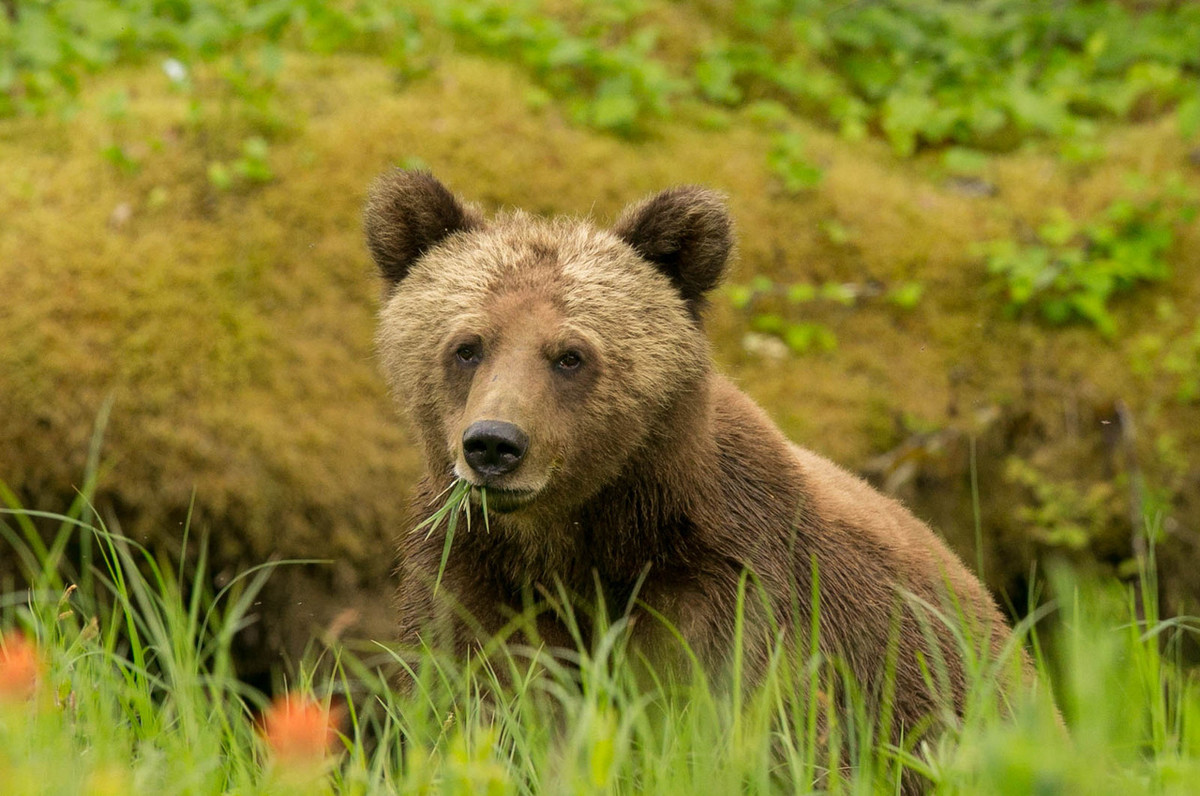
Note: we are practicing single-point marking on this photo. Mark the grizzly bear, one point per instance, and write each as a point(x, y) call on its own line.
point(564, 370)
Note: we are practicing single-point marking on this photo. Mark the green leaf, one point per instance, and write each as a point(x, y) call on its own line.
point(904, 116)
point(220, 177)
point(801, 338)
point(767, 323)
point(614, 107)
point(717, 78)
point(960, 160)
point(739, 296)
point(761, 284)
point(1060, 229)
point(838, 292)
point(801, 293)
point(1188, 115)
point(906, 295)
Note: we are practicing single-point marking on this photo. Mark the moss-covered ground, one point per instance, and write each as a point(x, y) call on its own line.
point(227, 314)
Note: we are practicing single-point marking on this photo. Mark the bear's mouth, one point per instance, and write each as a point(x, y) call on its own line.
point(503, 500)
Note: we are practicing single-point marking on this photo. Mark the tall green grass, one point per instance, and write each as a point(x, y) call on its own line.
point(139, 695)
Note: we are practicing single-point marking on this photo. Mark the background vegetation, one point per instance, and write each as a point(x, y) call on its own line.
point(969, 259)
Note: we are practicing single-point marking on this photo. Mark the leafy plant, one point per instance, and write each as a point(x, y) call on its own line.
point(906, 295)
point(1177, 358)
point(46, 48)
point(120, 157)
point(610, 81)
point(984, 74)
point(1182, 361)
point(801, 337)
point(1071, 271)
point(1189, 117)
point(788, 162)
point(772, 307)
point(1060, 514)
point(251, 167)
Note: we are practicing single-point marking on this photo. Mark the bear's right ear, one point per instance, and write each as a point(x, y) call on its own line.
point(407, 214)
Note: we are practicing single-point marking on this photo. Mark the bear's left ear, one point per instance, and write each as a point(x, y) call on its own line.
point(407, 214)
point(686, 232)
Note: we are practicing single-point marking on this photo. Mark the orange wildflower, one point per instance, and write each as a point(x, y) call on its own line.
point(20, 667)
point(299, 730)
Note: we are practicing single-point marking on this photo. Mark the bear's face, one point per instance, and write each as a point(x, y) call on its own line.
point(535, 357)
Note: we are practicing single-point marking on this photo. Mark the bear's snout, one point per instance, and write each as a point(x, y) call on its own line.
point(493, 448)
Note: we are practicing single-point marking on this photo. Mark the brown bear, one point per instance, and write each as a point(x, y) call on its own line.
point(564, 369)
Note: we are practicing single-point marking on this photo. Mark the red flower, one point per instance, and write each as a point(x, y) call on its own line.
point(299, 730)
point(20, 667)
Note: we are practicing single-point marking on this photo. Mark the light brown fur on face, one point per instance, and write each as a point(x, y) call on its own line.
point(525, 289)
point(648, 480)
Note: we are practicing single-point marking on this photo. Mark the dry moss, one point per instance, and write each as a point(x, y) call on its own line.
point(234, 329)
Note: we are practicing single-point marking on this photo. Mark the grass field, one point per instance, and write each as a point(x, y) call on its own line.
point(124, 684)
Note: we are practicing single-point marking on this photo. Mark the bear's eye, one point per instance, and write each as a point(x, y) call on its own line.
point(569, 361)
point(468, 354)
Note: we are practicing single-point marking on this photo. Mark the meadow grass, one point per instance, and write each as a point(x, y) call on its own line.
point(136, 693)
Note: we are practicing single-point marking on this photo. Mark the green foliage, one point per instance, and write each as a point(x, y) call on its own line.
point(1175, 356)
point(906, 295)
point(56, 44)
point(251, 168)
point(1189, 117)
point(963, 161)
point(801, 337)
point(1060, 514)
point(138, 667)
point(53, 44)
point(772, 307)
point(919, 72)
point(1182, 360)
point(983, 74)
point(137, 695)
point(1070, 271)
point(787, 161)
point(610, 79)
point(120, 157)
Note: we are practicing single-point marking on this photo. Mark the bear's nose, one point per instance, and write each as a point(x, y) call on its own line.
point(493, 448)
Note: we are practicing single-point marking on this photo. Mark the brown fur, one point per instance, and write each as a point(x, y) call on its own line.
point(646, 470)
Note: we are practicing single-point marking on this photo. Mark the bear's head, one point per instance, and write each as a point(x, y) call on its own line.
point(538, 357)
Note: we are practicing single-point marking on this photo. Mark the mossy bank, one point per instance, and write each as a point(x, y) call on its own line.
point(229, 316)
